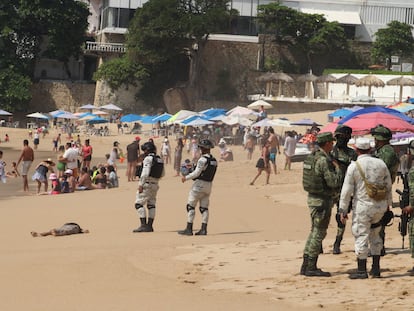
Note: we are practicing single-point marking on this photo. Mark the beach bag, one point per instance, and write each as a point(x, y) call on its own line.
point(375, 191)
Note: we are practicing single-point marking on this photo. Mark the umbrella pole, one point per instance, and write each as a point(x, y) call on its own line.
point(401, 90)
point(369, 91)
point(267, 89)
point(347, 89)
point(280, 88)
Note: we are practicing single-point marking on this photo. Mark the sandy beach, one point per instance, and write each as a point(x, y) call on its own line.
point(249, 260)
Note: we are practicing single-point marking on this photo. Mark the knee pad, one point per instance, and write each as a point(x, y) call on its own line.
point(150, 206)
point(189, 207)
point(203, 209)
point(138, 206)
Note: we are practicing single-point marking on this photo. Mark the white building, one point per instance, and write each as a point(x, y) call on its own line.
point(361, 18)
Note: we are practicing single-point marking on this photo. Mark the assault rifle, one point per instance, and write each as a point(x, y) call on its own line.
point(404, 201)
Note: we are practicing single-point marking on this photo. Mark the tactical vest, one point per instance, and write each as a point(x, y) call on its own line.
point(312, 182)
point(156, 167)
point(210, 170)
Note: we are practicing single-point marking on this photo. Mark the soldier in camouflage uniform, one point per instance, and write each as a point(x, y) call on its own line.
point(344, 155)
point(321, 179)
point(385, 152)
point(410, 210)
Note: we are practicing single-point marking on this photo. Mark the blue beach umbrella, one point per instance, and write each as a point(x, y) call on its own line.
point(377, 109)
point(131, 118)
point(340, 113)
point(97, 120)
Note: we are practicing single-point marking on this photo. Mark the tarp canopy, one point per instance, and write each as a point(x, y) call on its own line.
point(4, 113)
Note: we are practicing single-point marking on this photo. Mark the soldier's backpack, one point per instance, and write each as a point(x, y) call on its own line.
point(312, 182)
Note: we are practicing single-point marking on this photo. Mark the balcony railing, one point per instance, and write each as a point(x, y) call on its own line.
point(105, 47)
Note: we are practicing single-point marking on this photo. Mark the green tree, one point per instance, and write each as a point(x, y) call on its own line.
point(120, 71)
point(30, 29)
point(165, 34)
point(396, 39)
point(309, 34)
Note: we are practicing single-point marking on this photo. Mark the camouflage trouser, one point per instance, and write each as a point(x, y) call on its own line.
point(411, 235)
point(147, 196)
point(320, 212)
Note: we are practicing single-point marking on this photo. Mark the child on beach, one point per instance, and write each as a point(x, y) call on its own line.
point(14, 172)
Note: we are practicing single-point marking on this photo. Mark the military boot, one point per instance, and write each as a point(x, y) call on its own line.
point(143, 227)
point(375, 270)
point(312, 270)
point(361, 273)
point(188, 230)
point(149, 225)
point(304, 264)
point(337, 246)
point(203, 230)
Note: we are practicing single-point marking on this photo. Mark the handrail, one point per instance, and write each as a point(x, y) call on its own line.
point(105, 47)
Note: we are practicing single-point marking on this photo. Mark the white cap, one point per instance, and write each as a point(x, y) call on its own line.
point(362, 143)
point(69, 171)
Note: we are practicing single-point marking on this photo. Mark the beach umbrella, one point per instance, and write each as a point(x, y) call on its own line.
point(130, 118)
point(66, 115)
point(348, 80)
point(196, 121)
point(271, 122)
point(110, 107)
point(162, 117)
point(305, 122)
point(270, 77)
point(362, 124)
point(402, 107)
point(4, 113)
point(87, 117)
point(401, 81)
point(308, 78)
point(213, 112)
point(330, 127)
point(259, 103)
point(99, 112)
point(88, 106)
point(377, 109)
point(326, 79)
point(340, 113)
point(370, 81)
point(97, 120)
point(37, 115)
point(240, 111)
point(236, 119)
point(182, 115)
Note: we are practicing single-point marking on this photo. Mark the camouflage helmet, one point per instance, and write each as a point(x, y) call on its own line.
point(205, 143)
point(381, 132)
point(343, 130)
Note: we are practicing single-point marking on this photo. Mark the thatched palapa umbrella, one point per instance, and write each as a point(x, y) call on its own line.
point(370, 81)
point(401, 81)
point(326, 79)
point(348, 80)
point(270, 77)
point(308, 78)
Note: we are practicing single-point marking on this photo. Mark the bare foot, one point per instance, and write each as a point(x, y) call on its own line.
point(34, 234)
